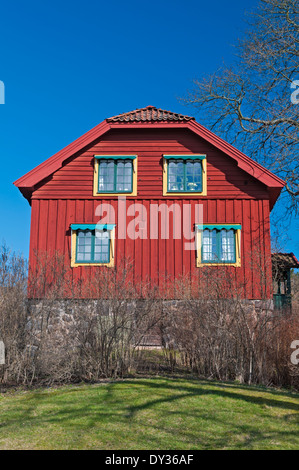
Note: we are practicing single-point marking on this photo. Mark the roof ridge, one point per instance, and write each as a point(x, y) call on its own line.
point(149, 113)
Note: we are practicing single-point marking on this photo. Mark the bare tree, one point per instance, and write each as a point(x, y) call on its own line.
point(254, 103)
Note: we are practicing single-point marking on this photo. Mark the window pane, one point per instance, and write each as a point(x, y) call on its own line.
point(175, 175)
point(193, 176)
point(102, 246)
point(106, 175)
point(120, 168)
point(228, 245)
point(109, 187)
point(180, 168)
point(209, 245)
point(124, 172)
point(84, 245)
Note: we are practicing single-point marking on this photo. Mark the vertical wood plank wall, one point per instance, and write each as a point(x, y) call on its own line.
point(233, 197)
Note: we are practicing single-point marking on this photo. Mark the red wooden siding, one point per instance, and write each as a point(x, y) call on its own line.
point(225, 179)
point(155, 259)
point(233, 197)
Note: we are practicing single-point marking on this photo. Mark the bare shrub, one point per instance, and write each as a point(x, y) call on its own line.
point(219, 335)
point(13, 283)
point(73, 331)
point(86, 330)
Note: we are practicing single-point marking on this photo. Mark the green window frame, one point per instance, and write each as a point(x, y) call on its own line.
point(184, 175)
point(115, 174)
point(218, 245)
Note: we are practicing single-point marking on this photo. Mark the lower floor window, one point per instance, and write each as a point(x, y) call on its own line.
point(92, 244)
point(219, 244)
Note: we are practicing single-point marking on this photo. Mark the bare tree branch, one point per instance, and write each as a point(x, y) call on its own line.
point(250, 103)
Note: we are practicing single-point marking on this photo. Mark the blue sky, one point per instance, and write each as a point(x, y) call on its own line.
point(68, 65)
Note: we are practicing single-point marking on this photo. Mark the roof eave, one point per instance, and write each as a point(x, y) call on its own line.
point(27, 183)
point(281, 260)
point(244, 162)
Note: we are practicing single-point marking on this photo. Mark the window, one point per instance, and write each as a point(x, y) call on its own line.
point(184, 174)
point(219, 244)
point(115, 174)
point(92, 244)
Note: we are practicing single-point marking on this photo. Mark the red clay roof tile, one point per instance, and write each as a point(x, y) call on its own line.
point(285, 260)
point(150, 113)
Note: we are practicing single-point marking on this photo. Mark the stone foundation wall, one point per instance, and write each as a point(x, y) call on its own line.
point(58, 317)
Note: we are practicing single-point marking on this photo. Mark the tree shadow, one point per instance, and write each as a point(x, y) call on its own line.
point(197, 392)
point(118, 406)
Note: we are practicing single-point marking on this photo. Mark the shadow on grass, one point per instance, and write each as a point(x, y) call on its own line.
point(115, 408)
point(262, 401)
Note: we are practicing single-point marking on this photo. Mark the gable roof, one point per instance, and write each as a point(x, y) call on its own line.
point(150, 113)
point(149, 117)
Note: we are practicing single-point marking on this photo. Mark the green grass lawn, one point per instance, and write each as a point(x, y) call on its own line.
point(155, 413)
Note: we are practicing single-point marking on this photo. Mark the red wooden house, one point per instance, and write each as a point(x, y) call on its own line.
point(107, 195)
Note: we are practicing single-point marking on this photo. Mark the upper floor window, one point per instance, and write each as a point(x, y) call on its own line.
point(184, 174)
point(219, 244)
point(115, 174)
point(92, 245)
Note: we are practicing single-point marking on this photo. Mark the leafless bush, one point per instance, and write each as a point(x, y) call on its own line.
point(73, 330)
point(13, 283)
point(220, 335)
point(79, 330)
point(109, 334)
